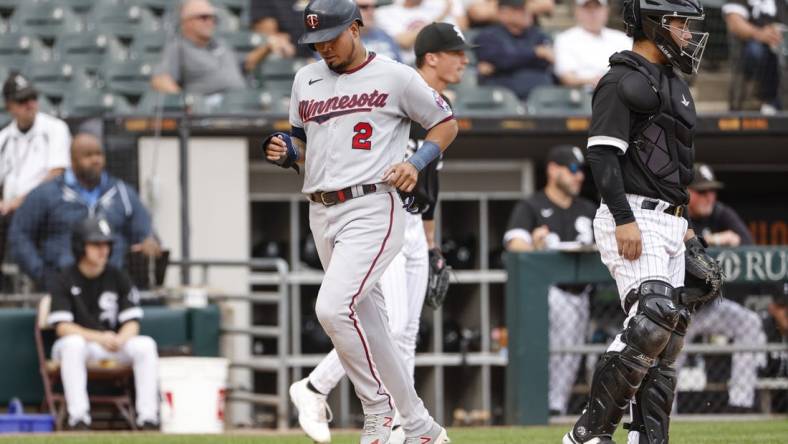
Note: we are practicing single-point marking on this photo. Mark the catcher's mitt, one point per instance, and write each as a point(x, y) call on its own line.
point(703, 275)
point(438, 281)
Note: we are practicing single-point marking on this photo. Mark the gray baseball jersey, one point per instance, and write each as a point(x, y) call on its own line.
point(356, 124)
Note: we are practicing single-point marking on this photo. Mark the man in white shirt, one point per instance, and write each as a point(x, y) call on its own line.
point(404, 19)
point(34, 148)
point(582, 52)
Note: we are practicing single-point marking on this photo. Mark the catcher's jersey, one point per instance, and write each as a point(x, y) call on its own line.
point(356, 124)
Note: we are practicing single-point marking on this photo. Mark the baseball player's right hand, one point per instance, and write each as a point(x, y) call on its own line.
point(109, 340)
point(629, 241)
point(402, 176)
point(275, 149)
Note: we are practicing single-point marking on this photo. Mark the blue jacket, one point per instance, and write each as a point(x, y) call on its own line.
point(516, 65)
point(40, 233)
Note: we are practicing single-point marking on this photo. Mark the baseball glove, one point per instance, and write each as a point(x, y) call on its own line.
point(703, 275)
point(438, 281)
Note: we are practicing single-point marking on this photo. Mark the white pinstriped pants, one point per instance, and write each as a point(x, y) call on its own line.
point(744, 326)
point(662, 258)
point(404, 286)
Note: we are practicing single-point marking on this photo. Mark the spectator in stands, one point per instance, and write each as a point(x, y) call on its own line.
point(196, 61)
point(95, 311)
point(515, 53)
point(481, 12)
point(582, 52)
point(721, 226)
point(33, 149)
point(556, 218)
point(759, 25)
point(374, 38)
point(40, 232)
point(404, 19)
point(282, 20)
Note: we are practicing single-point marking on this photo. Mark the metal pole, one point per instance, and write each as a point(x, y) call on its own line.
point(183, 142)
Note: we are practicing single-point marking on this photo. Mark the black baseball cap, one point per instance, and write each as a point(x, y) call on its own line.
point(437, 37)
point(703, 178)
point(566, 155)
point(18, 88)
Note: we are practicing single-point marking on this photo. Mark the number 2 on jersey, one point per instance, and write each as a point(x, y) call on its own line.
point(361, 138)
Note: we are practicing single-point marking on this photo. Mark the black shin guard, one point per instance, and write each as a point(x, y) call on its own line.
point(618, 374)
point(616, 379)
point(654, 399)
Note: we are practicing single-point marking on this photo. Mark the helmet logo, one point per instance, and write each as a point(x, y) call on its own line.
point(104, 227)
point(312, 21)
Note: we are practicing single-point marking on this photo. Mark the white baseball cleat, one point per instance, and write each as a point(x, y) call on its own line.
point(436, 435)
point(397, 435)
point(377, 428)
point(313, 411)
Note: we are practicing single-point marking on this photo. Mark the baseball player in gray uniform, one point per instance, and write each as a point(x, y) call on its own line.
point(441, 60)
point(350, 115)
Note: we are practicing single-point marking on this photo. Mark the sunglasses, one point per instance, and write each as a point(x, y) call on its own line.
point(574, 168)
point(366, 6)
point(204, 17)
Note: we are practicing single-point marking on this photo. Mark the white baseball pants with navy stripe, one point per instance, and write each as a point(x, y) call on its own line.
point(404, 286)
point(357, 240)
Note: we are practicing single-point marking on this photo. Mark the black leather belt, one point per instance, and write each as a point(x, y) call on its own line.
point(673, 210)
point(329, 198)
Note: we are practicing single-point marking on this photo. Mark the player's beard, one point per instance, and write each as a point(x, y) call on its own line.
point(567, 188)
point(341, 67)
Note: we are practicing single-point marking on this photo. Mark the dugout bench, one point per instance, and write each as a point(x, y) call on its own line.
point(191, 331)
point(529, 277)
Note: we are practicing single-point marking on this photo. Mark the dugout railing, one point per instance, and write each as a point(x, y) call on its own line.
point(531, 274)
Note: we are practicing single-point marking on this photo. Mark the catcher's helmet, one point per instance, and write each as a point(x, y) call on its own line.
point(650, 19)
point(90, 229)
point(324, 20)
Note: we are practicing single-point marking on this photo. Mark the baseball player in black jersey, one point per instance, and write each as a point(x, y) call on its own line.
point(556, 218)
point(640, 150)
point(95, 310)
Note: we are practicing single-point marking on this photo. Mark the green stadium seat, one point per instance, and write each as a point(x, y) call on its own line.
point(44, 19)
point(242, 42)
point(276, 70)
point(54, 78)
point(122, 20)
point(152, 101)
point(158, 6)
point(17, 50)
point(89, 50)
point(488, 101)
point(226, 21)
point(7, 7)
point(84, 6)
point(146, 46)
point(241, 101)
point(130, 78)
point(558, 100)
point(93, 103)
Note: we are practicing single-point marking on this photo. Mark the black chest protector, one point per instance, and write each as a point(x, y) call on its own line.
point(663, 125)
